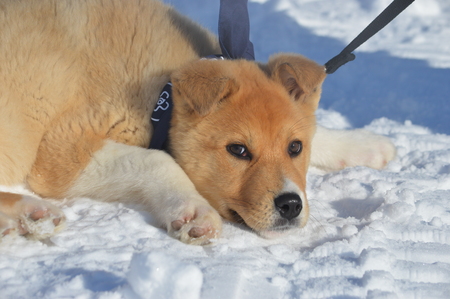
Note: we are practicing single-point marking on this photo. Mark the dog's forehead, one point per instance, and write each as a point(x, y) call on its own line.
point(270, 102)
point(265, 113)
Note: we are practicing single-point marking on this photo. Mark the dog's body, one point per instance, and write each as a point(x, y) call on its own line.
point(78, 83)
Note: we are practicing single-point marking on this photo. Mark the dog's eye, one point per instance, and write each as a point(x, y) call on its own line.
point(240, 151)
point(295, 148)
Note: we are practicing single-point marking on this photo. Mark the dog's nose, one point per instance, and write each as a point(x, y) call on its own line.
point(289, 205)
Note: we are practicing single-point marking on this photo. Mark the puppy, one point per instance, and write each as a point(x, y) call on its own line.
point(78, 83)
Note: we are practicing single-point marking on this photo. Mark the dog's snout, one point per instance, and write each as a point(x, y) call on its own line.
point(289, 205)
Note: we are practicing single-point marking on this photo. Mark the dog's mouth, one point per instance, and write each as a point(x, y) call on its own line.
point(236, 217)
point(279, 227)
point(276, 232)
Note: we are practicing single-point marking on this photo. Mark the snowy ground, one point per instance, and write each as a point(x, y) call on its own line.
point(372, 234)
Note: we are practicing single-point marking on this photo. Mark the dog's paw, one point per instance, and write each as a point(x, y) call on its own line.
point(39, 219)
point(365, 148)
point(198, 226)
point(337, 149)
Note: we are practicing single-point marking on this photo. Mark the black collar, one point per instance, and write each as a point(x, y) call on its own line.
point(162, 114)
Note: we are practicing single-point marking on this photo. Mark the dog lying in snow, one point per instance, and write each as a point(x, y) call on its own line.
point(78, 83)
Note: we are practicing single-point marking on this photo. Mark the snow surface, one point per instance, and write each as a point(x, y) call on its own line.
point(372, 234)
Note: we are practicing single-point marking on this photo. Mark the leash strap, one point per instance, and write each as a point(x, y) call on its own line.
point(234, 30)
point(384, 18)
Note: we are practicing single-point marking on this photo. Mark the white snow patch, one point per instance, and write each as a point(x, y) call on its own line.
point(157, 275)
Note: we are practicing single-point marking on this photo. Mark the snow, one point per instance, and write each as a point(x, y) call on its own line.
point(372, 234)
point(156, 275)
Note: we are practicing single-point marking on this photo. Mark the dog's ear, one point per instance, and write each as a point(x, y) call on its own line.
point(202, 85)
point(301, 77)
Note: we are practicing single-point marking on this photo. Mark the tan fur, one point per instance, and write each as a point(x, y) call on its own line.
point(81, 68)
point(78, 83)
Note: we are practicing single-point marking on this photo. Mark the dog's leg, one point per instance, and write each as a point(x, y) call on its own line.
point(24, 214)
point(336, 149)
point(152, 179)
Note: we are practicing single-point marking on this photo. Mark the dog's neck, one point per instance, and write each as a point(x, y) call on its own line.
point(162, 115)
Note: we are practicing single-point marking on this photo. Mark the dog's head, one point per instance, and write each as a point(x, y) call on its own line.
point(242, 132)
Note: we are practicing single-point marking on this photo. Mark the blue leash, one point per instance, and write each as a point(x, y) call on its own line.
point(234, 30)
point(384, 18)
